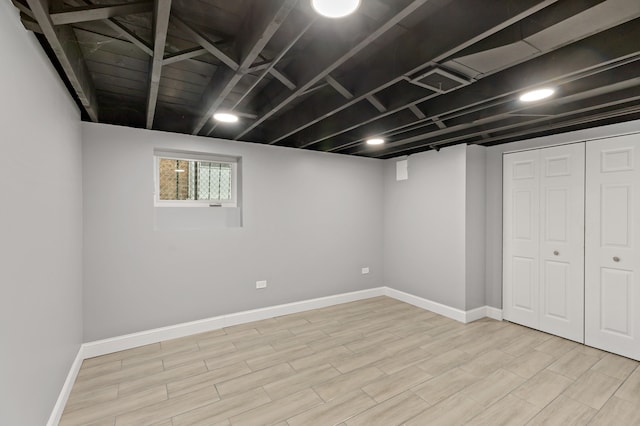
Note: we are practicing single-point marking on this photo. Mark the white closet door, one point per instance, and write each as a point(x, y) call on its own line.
point(562, 241)
point(521, 238)
point(612, 287)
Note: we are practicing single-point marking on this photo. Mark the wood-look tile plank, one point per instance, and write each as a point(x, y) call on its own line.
point(446, 361)
point(445, 385)
point(455, 410)
point(255, 379)
point(230, 358)
point(119, 376)
point(508, 411)
point(264, 361)
point(573, 364)
point(344, 383)
point(279, 410)
point(543, 388)
point(158, 412)
point(391, 385)
point(224, 409)
point(334, 411)
point(630, 389)
point(618, 412)
point(593, 389)
point(393, 411)
point(487, 363)
point(326, 356)
point(78, 399)
point(557, 346)
point(111, 408)
point(99, 370)
point(530, 363)
point(564, 411)
point(493, 388)
point(616, 366)
point(279, 389)
point(163, 377)
point(189, 384)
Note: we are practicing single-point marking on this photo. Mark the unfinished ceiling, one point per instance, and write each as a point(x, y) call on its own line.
point(421, 74)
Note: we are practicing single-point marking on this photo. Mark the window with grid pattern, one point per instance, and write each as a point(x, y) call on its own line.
point(195, 180)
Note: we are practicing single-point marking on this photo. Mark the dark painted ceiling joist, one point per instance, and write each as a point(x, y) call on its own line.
point(612, 45)
point(65, 46)
point(161, 13)
point(330, 63)
point(420, 74)
point(99, 12)
point(260, 30)
point(415, 51)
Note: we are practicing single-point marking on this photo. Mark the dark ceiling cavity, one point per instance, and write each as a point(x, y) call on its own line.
point(421, 74)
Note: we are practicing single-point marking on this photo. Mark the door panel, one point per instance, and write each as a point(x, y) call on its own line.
point(612, 286)
point(562, 241)
point(521, 242)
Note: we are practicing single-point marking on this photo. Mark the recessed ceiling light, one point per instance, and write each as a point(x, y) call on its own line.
point(536, 95)
point(375, 141)
point(335, 8)
point(225, 117)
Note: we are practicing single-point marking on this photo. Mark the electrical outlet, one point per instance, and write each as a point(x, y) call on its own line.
point(261, 284)
point(365, 271)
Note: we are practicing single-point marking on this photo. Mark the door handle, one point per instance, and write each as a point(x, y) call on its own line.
point(556, 253)
point(616, 259)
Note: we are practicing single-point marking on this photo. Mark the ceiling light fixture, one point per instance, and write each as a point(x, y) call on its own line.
point(376, 141)
point(335, 8)
point(536, 95)
point(225, 117)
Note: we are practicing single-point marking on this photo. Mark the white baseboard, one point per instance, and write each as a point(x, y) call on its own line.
point(129, 341)
point(444, 310)
point(56, 414)
point(494, 313)
point(429, 305)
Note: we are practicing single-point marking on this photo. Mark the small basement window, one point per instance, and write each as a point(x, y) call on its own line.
point(195, 180)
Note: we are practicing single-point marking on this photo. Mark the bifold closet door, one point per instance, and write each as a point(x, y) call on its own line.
point(544, 239)
point(612, 285)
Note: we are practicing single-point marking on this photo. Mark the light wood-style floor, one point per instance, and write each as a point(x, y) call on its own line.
point(372, 362)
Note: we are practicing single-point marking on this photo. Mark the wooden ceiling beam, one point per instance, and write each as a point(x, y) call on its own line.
point(100, 12)
point(161, 13)
point(205, 42)
point(67, 50)
point(259, 29)
point(271, 65)
point(343, 91)
point(282, 79)
point(129, 35)
point(184, 55)
point(331, 63)
point(414, 52)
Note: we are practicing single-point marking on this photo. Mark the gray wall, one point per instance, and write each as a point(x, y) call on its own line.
point(40, 228)
point(424, 226)
point(494, 194)
point(311, 222)
point(475, 210)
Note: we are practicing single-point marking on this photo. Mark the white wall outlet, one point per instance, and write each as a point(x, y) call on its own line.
point(261, 284)
point(365, 271)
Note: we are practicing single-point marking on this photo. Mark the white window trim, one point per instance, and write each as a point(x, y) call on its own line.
point(195, 156)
